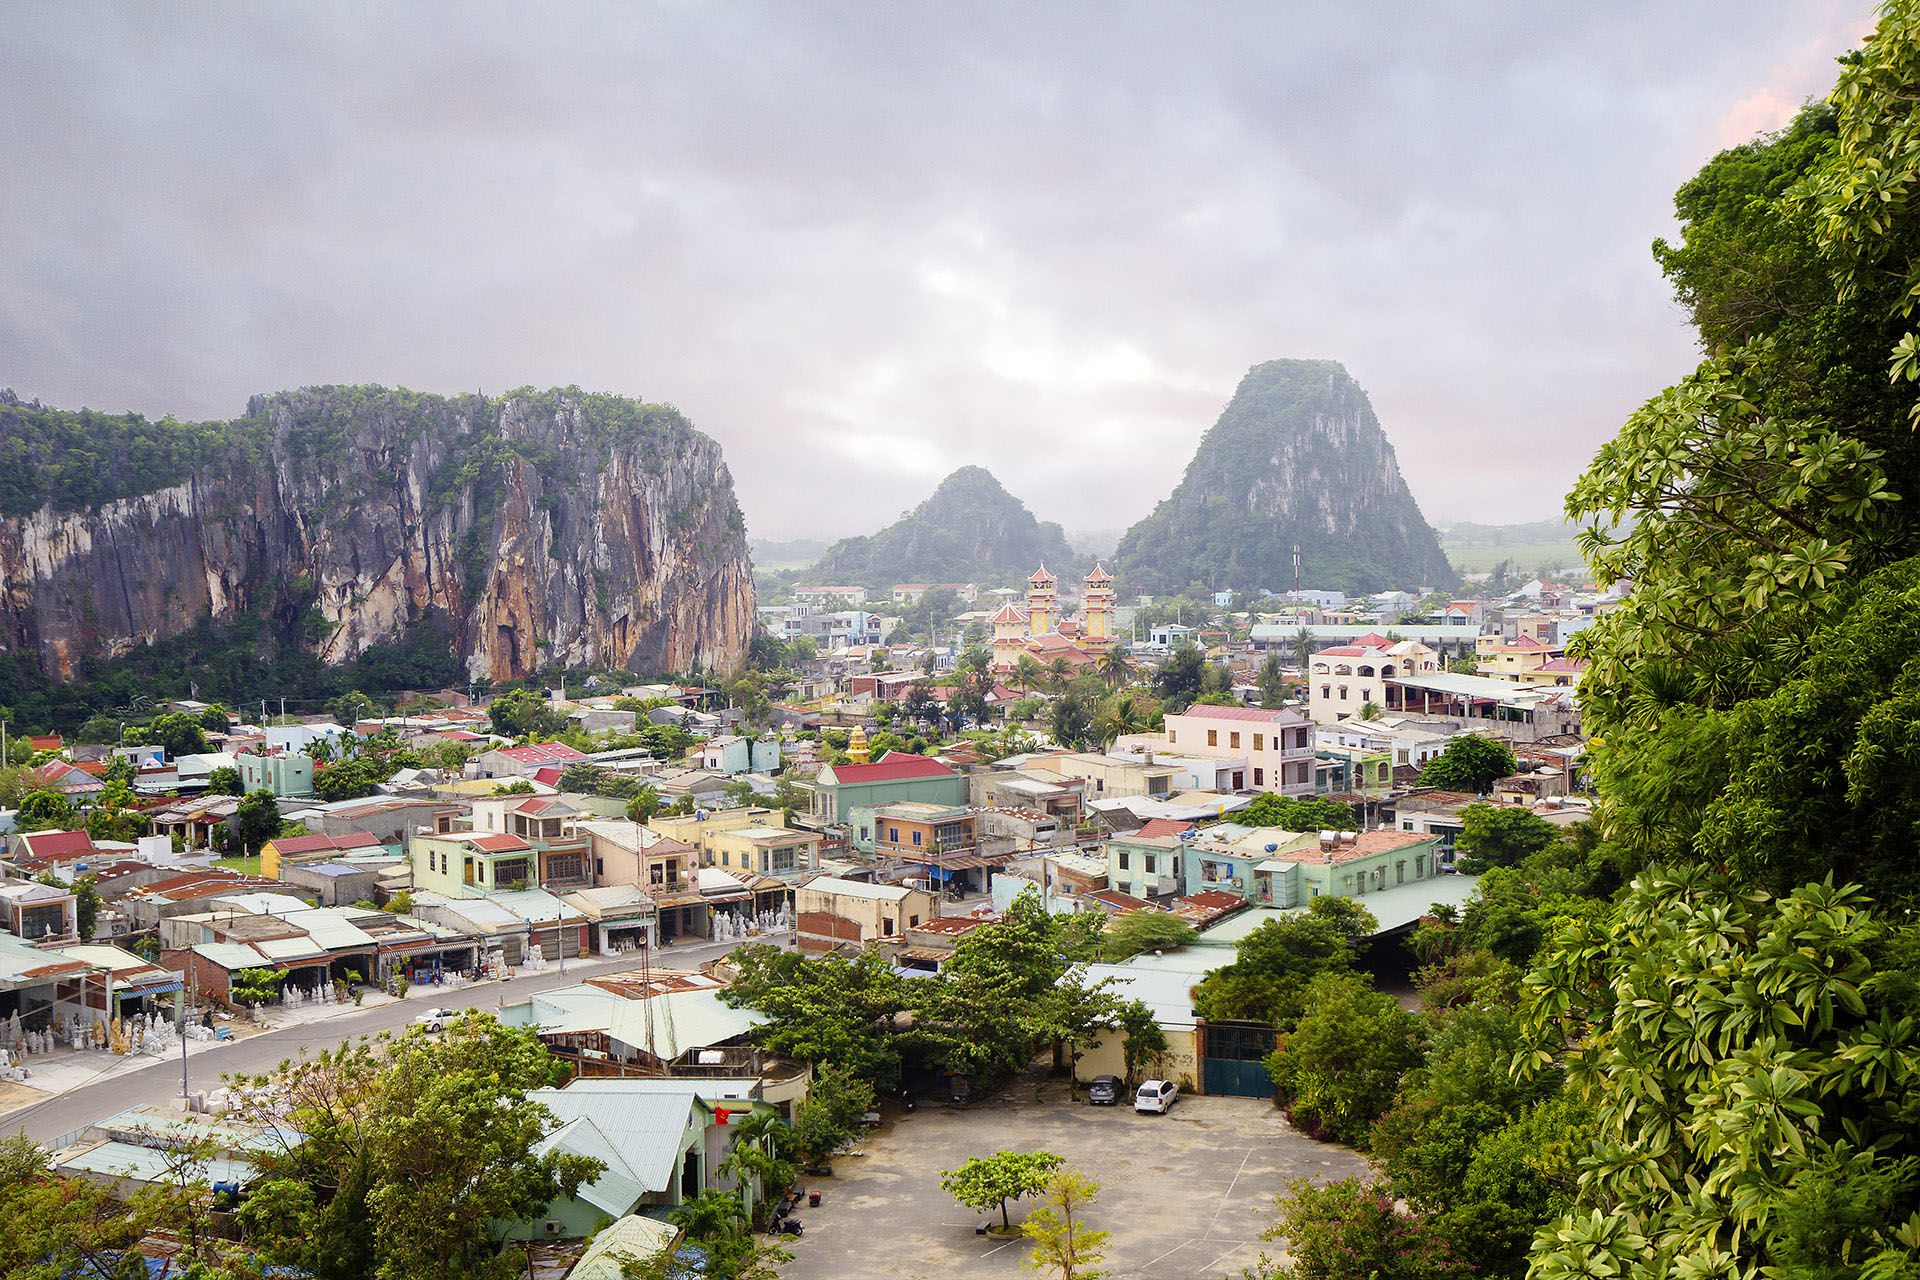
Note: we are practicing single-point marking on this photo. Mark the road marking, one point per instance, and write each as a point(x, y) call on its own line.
point(1169, 1253)
point(1230, 1186)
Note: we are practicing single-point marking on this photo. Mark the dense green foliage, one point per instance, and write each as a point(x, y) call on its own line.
point(969, 530)
point(999, 1000)
point(1132, 932)
point(1754, 1066)
point(77, 460)
point(995, 1181)
point(1267, 447)
point(1500, 836)
point(1337, 1067)
point(1351, 1230)
point(394, 1125)
point(1293, 814)
point(1276, 963)
point(1470, 764)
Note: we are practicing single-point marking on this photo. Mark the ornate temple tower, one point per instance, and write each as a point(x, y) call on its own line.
point(1009, 636)
point(1098, 612)
point(1043, 609)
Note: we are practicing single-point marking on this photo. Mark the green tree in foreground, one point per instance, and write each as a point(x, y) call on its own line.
point(1132, 932)
point(225, 781)
point(995, 1181)
point(1338, 1068)
point(1470, 763)
point(1500, 836)
point(1351, 1230)
point(830, 1117)
point(1754, 1064)
point(1291, 814)
point(1063, 1244)
point(394, 1125)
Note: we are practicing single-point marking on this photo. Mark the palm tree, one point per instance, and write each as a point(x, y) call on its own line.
point(1303, 645)
point(1027, 673)
point(1061, 673)
point(1114, 667)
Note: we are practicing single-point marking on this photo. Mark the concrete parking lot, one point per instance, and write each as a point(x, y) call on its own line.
point(1185, 1194)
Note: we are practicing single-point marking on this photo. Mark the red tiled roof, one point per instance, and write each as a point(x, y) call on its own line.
point(499, 843)
point(295, 845)
point(1563, 664)
point(46, 742)
point(542, 753)
point(549, 775)
point(1010, 612)
point(57, 844)
point(1163, 827)
point(1372, 640)
point(897, 766)
point(1260, 715)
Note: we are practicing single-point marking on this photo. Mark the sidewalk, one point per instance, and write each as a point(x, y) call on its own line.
point(66, 1070)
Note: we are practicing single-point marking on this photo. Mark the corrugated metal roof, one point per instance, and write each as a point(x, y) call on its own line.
point(149, 1164)
point(232, 955)
point(648, 1130)
point(630, 1239)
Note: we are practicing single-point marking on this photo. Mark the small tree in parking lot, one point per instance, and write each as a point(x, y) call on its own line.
point(986, 1182)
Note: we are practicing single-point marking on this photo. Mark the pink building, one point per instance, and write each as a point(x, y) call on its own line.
point(1277, 744)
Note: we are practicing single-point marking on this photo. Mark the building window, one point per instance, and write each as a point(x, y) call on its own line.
point(1213, 737)
point(1400, 872)
point(1233, 742)
point(599, 866)
point(1121, 854)
point(916, 838)
point(1259, 777)
point(1149, 864)
point(1420, 867)
point(1343, 693)
point(1326, 691)
point(1172, 737)
point(886, 928)
point(913, 922)
point(1259, 742)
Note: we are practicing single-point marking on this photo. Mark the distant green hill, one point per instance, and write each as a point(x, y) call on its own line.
point(970, 530)
point(1297, 458)
point(794, 553)
point(1538, 544)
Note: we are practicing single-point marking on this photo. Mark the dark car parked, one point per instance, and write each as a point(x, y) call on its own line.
point(1105, 1091)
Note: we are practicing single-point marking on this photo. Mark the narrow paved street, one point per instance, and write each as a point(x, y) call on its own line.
point(159, 1083)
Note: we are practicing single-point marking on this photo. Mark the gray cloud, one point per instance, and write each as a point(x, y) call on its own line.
point(861, 245)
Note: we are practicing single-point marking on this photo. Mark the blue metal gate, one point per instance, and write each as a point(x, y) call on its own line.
point(1230, 1054)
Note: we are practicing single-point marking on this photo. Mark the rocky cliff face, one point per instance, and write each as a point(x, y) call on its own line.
point(969, 530)
point(550, 529)
point(1297, 458)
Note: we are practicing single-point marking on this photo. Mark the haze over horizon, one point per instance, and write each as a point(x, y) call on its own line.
point(861, 249)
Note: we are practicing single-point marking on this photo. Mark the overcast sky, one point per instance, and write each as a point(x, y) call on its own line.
point(862, 245)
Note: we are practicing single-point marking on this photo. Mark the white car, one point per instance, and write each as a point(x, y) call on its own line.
point(437, 1019)
point(1156, 1095)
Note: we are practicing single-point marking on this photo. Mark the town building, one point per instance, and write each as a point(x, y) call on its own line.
point(898, 776)
point(1277, 744)
point(832, 914)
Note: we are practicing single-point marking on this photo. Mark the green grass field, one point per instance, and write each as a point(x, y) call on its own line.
point(1479, 557)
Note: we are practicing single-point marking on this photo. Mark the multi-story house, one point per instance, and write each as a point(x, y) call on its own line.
point(282, 772)
point(1277, 744)
point(464, 864)
point(1346, 679)
point(898, 776)
point(546, 823)
point(834, 914)
point(1516, 660)
point(1145, 866)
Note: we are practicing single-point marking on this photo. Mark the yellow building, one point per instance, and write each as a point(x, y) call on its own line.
point(1098, 611)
